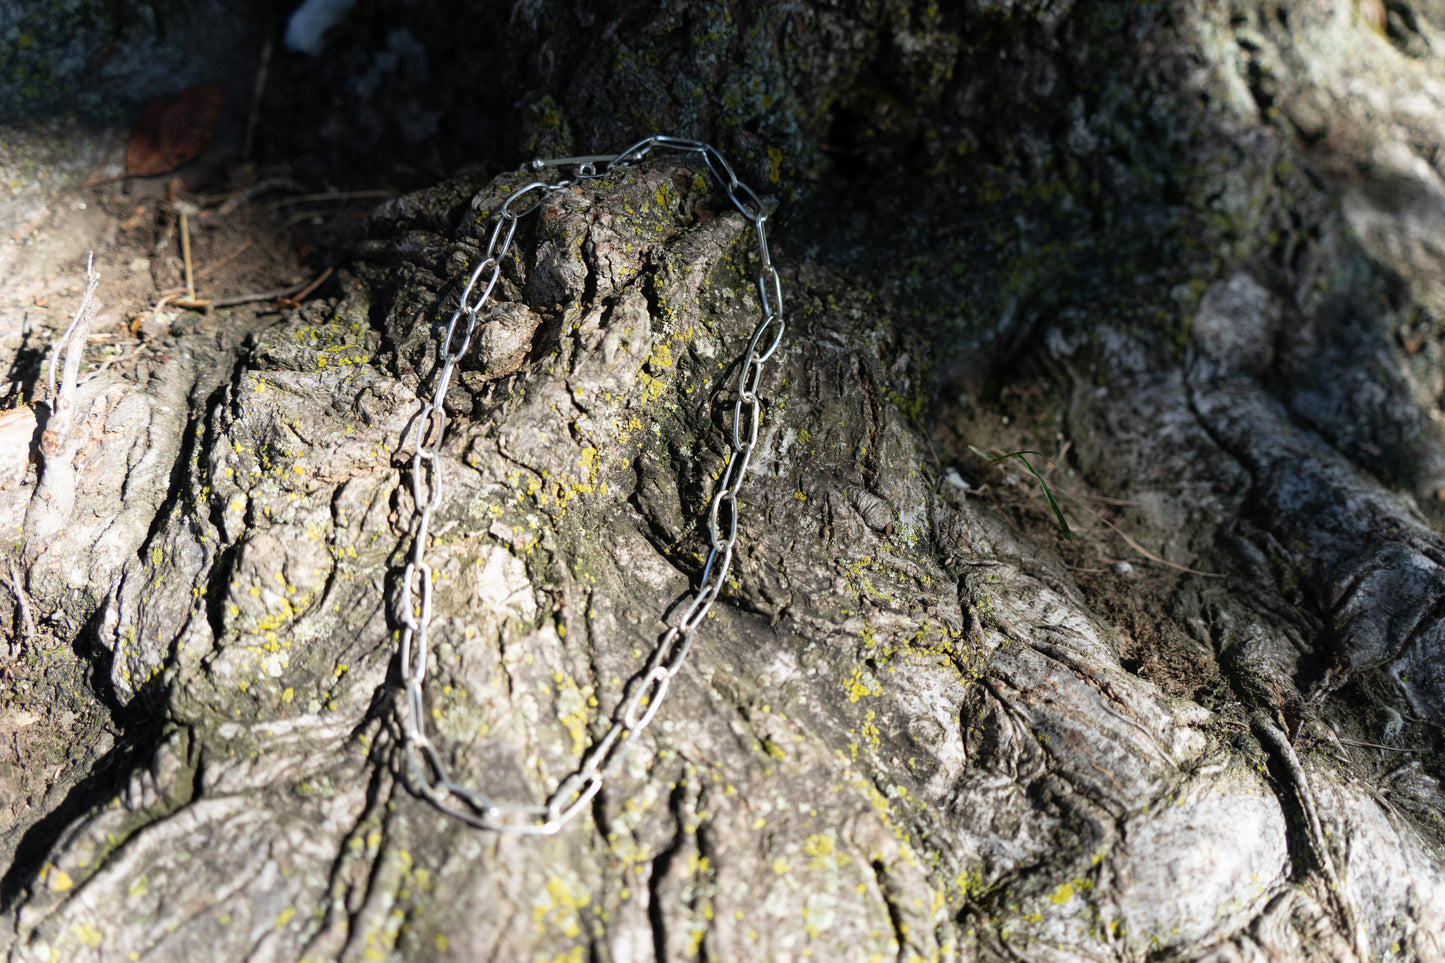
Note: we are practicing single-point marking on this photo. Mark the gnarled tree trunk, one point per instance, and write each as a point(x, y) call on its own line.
point(1189, 251)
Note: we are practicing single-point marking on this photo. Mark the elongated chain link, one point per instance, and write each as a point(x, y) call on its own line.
point(645, 691)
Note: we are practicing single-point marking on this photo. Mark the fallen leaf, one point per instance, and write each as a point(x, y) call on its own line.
point(172, 132)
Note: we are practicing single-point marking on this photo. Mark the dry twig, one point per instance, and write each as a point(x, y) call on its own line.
point(186, 254)
point(53, 500)
point(1372, 745)
point(295, 301)
point(22, 601)
point(1141, 549)
point(367, 195)
point(238, 197)
point(294, 292)
point(72, 342)
point(256, 91)
point(216, 265)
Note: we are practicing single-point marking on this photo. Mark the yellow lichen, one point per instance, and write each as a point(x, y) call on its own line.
point(89, 935)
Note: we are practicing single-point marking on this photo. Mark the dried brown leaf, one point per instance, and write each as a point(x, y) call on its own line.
point(172, 132)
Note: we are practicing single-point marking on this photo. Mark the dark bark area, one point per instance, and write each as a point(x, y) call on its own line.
point(1188, 251)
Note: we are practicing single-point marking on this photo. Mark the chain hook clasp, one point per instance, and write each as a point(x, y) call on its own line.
point(586, 165)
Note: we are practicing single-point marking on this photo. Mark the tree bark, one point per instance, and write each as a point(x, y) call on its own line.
point(1188, 251)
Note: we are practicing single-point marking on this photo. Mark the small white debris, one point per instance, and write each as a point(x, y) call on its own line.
point(306, 30)
point(955, 479)
point(1123, 567)
point(1393, 728)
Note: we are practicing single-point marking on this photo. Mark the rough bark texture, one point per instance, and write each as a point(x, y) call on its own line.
point(1192, 251)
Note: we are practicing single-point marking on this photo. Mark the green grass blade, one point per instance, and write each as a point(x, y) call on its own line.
point(1048, 495)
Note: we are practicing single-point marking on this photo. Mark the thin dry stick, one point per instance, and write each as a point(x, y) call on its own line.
point(1058, 459)
point(291, 291)
point(294, 300)
point(256, 91)
point(1141, 549)
point(316, 217)
point(53, 499)
point(167, 296)
point(22, 599)
point(236, 198)
point(1374, 745)
point(75, 337)
point(69, 342)
point(1120, 502)
point(215, 265)
point(1094, 496)
point(186, 255)
point(367, 195)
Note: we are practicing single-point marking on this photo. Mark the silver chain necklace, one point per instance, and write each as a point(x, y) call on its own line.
point(645, 691)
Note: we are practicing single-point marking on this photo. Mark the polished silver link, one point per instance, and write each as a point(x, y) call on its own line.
point(644, 694)
point(759, 212)
point(540, 188)
point(714, 160)
point(470, 307)
point(426, 488)
point(418, 611)
point(589, 162)
point(495, 252)
point(680, 143)
point(718, 540)
point(677, 646)
point(770, 289)
point(747, 403)
point(765, 254)
point(760, 330)
point(411, 720)
point(713, 575)
point(433, 416)
point(439, 397)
